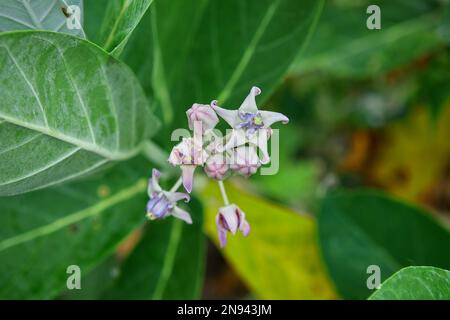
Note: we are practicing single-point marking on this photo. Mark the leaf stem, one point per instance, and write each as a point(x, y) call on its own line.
point(223, 192)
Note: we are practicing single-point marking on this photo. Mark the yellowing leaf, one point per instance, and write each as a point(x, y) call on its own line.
point(280, 257)
point(414, 154)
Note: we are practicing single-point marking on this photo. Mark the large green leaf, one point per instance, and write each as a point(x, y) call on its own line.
point(80, 224)
point(43, 15)
point(219, 49)
point(279, 259)
point(343, 45)
point(67, 103)
point(120, 19)
point(158, 49)
point(168, 263)
point(415, 283)
point(363, 228)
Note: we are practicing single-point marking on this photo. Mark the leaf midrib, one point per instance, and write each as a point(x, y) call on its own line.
point(87, 145)
point(77, 216)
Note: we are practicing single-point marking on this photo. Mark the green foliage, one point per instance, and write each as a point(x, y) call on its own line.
point(344, 45)
point(44, 232)
point(363, 228)
point(197, 56)
point(94, 111)
point(415, 283)
point(75, 105)
point(43, 14)
point(168, 263)
point(119, 20)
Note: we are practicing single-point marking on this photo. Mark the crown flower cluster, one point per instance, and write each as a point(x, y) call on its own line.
point(241, 151)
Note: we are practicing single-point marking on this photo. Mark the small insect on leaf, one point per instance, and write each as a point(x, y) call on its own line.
point(66, 12)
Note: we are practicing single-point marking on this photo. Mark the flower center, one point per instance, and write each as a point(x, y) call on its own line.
point(158, 206)
point(251, 121)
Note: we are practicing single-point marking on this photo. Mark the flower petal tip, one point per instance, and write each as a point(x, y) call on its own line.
point(255, 91)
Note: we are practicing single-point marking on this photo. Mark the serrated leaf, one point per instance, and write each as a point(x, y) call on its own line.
point(279, 259)
point(39, 15)
point(44, 232)
point(415, 283)
point(168, 263)
point(363, 228)
point(67, 103)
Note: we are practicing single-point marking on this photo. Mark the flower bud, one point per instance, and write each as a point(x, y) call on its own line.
point(245, 160)
point(231, 219)
point(216, 166)
point(204, 114)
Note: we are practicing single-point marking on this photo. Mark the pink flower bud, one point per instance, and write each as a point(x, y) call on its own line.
point(245, 160)
point(216, 166)
point(203, 114)
point(231, 219)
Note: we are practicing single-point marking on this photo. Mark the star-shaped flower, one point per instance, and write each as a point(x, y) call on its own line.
point(246, 121)
point(163, 203)
point(248, 117)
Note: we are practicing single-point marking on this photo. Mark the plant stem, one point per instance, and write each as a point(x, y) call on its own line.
point(223, 192)
point(176, 185)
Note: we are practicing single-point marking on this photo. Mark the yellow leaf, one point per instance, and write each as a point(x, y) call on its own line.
point(280, 257)
point(413, 155)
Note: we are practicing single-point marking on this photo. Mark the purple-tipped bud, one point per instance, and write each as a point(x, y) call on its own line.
point(202, 114)
point(245, 160)
point(231, 219)
point(216, 166)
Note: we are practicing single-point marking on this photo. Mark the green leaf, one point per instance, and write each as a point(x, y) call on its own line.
point(279, 259)
point(363, 228)
point(80, 224)
point(344, 46)
point(158, 49)
point(119, 21)
point(168, 263)
point(42, 15)
point(221, 51)
point(415, 283)
point(68, 103)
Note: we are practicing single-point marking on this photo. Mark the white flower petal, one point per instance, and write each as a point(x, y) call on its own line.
point(182, 215)
point(153, 183)
point(230, 116)
point(188, 176)
point(176, 196)
point(249, 104)
point(270, 117)
point(236, 138)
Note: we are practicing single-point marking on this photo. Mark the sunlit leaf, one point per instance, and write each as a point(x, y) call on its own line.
point(408, 145)
point(279, 259)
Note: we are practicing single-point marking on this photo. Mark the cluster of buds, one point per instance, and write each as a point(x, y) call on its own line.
point(219, 156)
